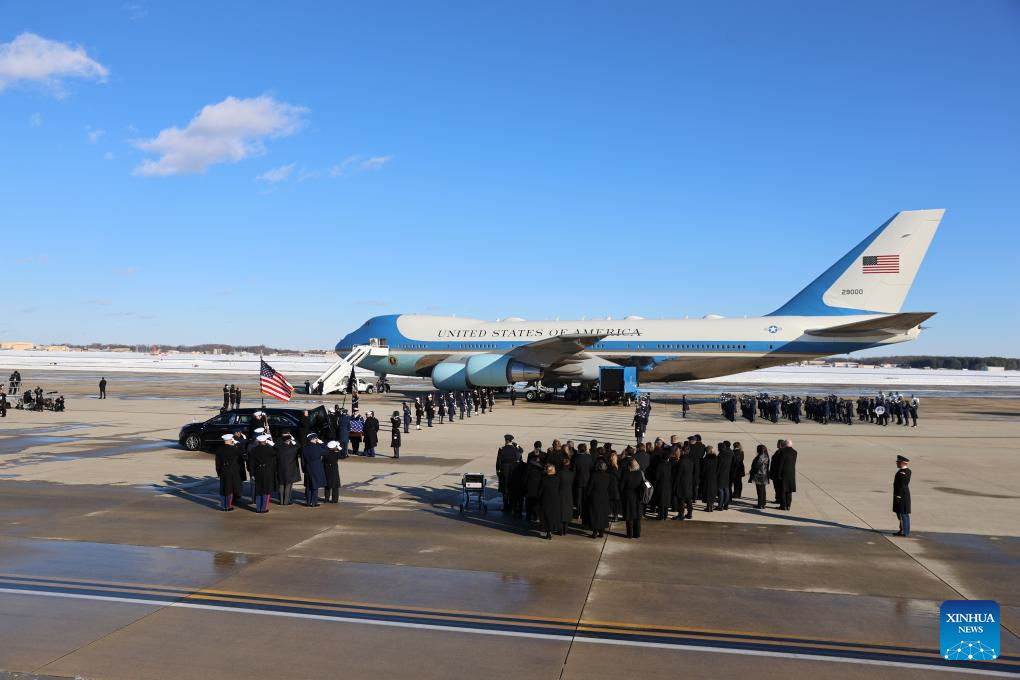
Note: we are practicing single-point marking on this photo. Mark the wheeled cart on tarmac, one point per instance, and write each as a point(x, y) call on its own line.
point(473, 485)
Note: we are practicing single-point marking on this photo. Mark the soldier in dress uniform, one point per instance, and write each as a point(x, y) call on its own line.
point(513, 395)
point(449, 406)
point(407, 416)
point(226, 397)
point(288, 470)
point(228, 468)
point(312, 454)
point(331, 467)
point(901, 495)
point(395, 433)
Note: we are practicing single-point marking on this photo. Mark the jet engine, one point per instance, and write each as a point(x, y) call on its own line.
point(482, 370)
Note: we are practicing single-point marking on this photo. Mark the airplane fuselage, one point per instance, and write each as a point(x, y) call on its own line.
point(662, 350)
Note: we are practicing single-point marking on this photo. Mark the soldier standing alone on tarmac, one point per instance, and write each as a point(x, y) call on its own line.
point(901, 495)
point(102, 388)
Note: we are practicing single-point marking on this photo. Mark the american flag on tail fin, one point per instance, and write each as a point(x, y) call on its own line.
point(273, 383)
point(881, 264)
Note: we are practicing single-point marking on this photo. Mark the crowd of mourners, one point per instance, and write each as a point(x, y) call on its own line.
point(882, 409)
point(590, 484)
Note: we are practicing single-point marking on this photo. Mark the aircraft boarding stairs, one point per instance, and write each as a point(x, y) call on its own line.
point(336, 376)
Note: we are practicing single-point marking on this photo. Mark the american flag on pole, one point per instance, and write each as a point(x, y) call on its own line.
point(273, 383)
point(881, 264)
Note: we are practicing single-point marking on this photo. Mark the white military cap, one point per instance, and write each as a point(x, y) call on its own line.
point(227, 437)
point(333, 445)
point(259, 413)
point(262, 438)
point(260, 430)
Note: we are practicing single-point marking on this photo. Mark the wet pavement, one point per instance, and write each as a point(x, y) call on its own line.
point(116, 563)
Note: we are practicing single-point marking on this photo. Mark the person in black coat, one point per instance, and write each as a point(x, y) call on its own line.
point(228, 468)
point(663, 483)
point(776, 471)
point(632, 492)
point(508, 457)
point(371, 434)
point(683, 484)
point(723, 472)
point(582, 463)
point(901, 495)
point(759, 474)
point(331, 466)
point(312, 454)
point(532, 486)
point(518, 484)
point(697, 455)
point(737, 471)
point(226, 397)
point(709, 478)
point(601, 491)
point(550, 508)
point(567, 478)
point(262, 463)
point(788, 474)
point(288, 471)
point(395, 433)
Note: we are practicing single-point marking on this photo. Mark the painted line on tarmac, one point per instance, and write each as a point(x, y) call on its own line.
point(934, 663)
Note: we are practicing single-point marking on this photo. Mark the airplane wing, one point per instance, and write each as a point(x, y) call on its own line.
point(556, 350)
point(893, 324)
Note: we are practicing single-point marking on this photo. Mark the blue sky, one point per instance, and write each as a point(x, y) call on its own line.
point(252, 173)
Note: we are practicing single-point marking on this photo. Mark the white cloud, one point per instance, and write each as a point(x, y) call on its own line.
point(32, 58)
point(108, 156)
point(35, 120)
point(227, 132)
point(275, 175)
point(375, 162)
point(355, 164)
point(93, 134)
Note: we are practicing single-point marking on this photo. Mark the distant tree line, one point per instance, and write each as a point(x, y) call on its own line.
point(970, 363)
point(208, 348)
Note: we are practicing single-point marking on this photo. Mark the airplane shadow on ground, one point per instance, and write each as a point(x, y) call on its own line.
point(445, 502)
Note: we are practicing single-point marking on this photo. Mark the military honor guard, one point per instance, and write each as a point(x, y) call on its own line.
point(229, 468)
point(395, 433)
point(331, 468)
point(288, 469)
point(312, 454)
point(901, 495)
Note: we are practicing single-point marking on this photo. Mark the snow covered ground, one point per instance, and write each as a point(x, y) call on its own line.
point(311, 365)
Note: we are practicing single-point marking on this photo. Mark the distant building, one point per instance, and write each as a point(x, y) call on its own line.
point(16, 345)
point(57, 348)
point(994, 369)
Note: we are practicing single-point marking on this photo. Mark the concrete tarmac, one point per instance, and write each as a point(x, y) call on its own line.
point(116, 563)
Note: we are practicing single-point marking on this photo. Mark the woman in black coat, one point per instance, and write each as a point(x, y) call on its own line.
point(228, 468)
point(534, 471)
point(738, 471)
point(616, 472)
point(567, 476)
point(709, 478)
point(287, 469)
point(603, 489)
point(632, 491)
point(550, 508)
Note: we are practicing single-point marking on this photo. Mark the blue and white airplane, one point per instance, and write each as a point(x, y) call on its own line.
point(855, 304)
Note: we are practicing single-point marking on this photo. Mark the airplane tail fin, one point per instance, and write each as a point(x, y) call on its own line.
point(874, 277)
